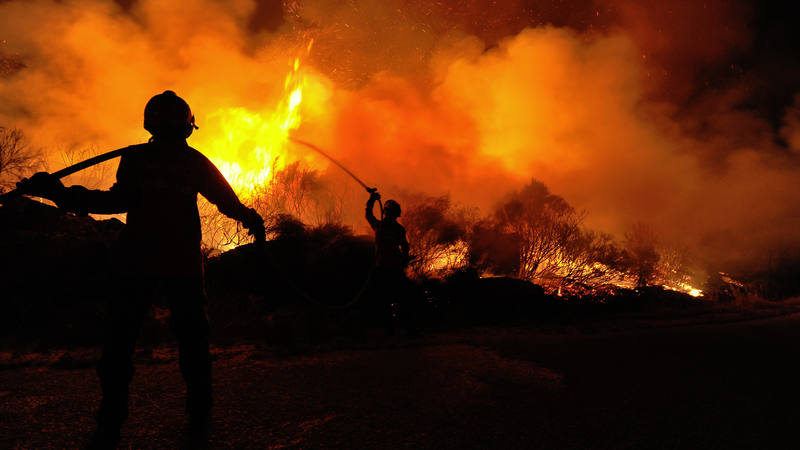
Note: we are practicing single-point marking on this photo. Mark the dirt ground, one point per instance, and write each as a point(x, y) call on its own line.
point(658, 384)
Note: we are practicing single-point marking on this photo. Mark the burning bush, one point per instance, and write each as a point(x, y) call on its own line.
point(491, 250)
point(542, 223)
point(640, 243)
point(590, 258)
point(295, 191)
point(650, 261)
point(536, 235)
point(324, 264)
point(436, 232)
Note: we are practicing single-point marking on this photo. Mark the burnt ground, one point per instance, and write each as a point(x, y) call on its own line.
point(620, 384)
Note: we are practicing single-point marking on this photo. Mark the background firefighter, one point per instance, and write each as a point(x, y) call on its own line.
point(158, 256)
point(391, 290)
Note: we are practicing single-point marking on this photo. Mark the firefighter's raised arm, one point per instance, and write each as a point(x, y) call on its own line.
point(373, 222)
point(215, 188)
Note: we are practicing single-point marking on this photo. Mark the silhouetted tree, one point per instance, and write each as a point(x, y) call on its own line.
point(543, 223)
point(17, 158)
point(493, 250)
point(673, 266)
point(640, 244)
point(536, 235)
point(436, 232)
point(590, 258)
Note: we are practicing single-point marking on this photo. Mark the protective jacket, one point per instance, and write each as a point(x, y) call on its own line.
point(157, 185)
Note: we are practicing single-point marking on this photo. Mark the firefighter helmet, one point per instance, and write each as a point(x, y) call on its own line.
point(168, 114)
point(391, 209)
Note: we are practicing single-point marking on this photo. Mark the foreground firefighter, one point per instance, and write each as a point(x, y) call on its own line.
point(391, 287)
point(159, 256)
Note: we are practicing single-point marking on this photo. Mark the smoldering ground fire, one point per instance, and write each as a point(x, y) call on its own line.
point(455, 100)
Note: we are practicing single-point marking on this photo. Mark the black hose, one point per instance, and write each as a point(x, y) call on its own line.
point(5, 198)
point(331, 159)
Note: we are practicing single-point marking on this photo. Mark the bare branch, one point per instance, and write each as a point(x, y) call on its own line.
point(17, 159)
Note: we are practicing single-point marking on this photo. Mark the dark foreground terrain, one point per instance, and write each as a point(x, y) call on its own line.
point(626, 384)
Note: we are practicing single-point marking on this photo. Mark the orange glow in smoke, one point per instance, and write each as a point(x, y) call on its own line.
point(249, 146)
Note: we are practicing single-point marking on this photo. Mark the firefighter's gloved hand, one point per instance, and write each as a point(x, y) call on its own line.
point(374, 195)
point(255, 225)
point(42, 184)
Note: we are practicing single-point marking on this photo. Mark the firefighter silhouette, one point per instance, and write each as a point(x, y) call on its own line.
point(391, 289)
point(158, 256)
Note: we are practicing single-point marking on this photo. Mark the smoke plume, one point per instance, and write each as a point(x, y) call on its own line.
point(632, 111)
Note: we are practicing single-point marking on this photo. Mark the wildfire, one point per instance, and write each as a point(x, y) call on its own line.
point(592, 277)
point(250, 146)
point(447, 258)
point(685, 288)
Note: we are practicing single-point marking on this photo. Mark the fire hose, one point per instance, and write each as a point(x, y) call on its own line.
point(288, 279)
point(15, 193)
point(306, 296)
point(10, 195)
point(331, 159)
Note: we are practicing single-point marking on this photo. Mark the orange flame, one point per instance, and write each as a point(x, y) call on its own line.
point(250, 146)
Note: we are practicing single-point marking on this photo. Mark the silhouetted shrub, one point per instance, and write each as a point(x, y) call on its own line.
point(55, 273)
